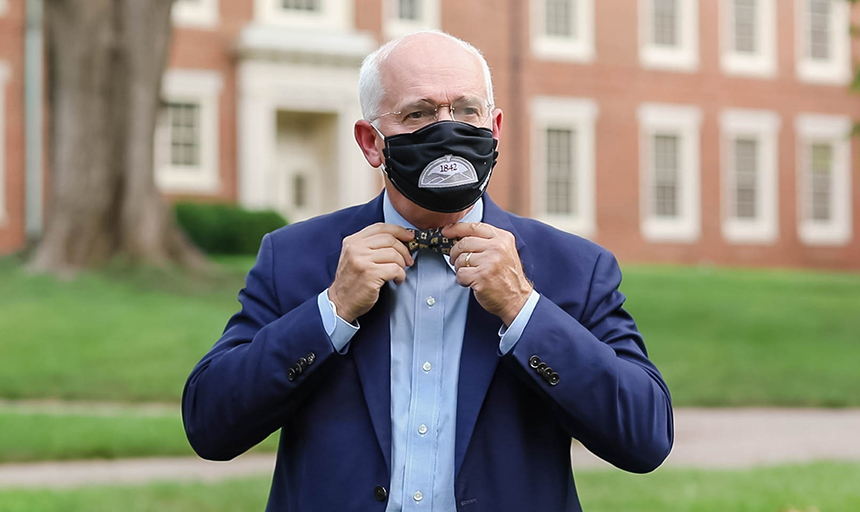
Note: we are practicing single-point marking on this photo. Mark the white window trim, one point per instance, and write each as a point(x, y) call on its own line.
point(203, 14)
point(4, 7)
point(395, 27)
point(685, 122)
point(762, 126)
point(760, 64)
point(202, 87)
point(579, 115)
point(579, 49)
point(5, 75)
point(333, 15)
point(685, 57)
point(833, 130)
point(837, 71)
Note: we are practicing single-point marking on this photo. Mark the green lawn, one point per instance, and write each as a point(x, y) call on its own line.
point(824, 487)
point(721, 337)
point(39, 436)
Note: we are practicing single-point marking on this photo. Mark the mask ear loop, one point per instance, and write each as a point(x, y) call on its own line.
point(383, 155)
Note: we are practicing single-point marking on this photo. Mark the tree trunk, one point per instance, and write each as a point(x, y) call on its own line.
point(106, 59)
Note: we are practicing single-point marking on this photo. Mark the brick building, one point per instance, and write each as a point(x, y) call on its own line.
point(681, 131)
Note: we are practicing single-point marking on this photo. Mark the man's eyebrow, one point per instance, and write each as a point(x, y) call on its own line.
point(428, 101)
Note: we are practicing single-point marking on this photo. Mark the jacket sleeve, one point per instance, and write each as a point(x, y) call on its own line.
point(596, 375)
point(260, 369)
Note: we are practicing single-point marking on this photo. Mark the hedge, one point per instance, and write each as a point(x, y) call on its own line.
point(226, 229)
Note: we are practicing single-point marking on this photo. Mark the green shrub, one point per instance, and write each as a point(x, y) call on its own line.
point(225, 228)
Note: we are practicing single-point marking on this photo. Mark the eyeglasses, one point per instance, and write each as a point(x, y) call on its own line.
point(422, 113)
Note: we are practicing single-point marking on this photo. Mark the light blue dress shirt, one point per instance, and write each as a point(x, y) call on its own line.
point(427, 322)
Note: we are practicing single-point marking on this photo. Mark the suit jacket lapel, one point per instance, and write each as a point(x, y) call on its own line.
point(371, 346)
point(479, 357)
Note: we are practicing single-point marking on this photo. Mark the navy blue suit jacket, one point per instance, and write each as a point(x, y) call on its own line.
point(513, 427)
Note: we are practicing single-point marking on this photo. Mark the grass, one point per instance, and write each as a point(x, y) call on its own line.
point(823, 487)
point(729, 337)
point(29, 437)
point(721, 337)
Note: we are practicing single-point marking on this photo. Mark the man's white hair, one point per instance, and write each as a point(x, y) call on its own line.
point(371, 91)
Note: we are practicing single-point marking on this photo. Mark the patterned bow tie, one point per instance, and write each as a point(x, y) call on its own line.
point(430, 240)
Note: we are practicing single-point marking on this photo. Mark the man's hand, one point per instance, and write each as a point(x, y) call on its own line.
point(368, 259)
point(495, 272)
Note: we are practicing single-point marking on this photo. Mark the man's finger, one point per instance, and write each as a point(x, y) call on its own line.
point(383, 240)
point(391, 272)
point(396, 231)
point(474, 260)
point(464, 229)
point(469, 244)
point(466, 276)
point(388, 255)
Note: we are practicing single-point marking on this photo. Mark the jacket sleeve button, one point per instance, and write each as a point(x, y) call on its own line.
point(291, 374)
point(303, 362)
point(534, 361)
point(311, 357)
point(553, 379)
point(380, 493)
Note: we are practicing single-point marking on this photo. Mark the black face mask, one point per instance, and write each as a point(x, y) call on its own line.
point(443, 167)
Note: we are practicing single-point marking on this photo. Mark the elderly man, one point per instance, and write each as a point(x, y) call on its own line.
point(416, 368)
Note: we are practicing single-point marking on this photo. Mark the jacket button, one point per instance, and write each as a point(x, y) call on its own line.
point(553, 379)
point(291, 374)
point(540, 368)
point(298, 369)
point(311, 357)
point(380, 493)
point(534, 361)
point(303, 362)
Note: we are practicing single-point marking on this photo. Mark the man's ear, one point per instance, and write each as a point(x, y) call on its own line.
point(498, 118)
point(366, 137)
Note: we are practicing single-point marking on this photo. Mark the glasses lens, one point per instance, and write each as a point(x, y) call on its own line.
point(418, 116)
point(472, 111)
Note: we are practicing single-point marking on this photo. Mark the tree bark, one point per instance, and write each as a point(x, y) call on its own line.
point(106, 59)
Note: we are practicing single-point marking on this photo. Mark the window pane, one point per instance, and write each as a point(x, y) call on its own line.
point(184, 134)
point(745, 15)
point(301, 5)
point(821, 182)
point(409, 9)
point(819, 29)
point(561, 18)
point(746, 178)
point(666, 177)
point(560, 172)
point(665, 22)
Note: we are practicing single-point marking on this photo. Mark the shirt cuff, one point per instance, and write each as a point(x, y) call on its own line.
point(511, 335)
point(339, 330)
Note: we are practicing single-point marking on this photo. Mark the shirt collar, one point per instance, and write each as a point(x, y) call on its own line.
point(392, 216)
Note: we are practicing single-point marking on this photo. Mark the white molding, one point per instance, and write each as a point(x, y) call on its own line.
point(762, 126)
point(4, 7)
point(273, 43)
point(5, 75)
point(685, 123)
point(685, 56)
point(201, 87)
point(334, 15)
point(196, 14)
point(578, 49)
point(578, 115)
point(836, 71)
point(394, 27)
point(833, 130)
point(762, 63)
point(266, 87)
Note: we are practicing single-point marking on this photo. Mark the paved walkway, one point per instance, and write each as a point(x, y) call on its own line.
point(704, 438)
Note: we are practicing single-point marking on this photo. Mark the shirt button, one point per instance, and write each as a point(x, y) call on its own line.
point(431, 301)
point(418, 496)
point(427, 366)
point(422, 429)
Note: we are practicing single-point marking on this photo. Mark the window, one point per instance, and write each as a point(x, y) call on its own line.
point(669, 172)
point(824, 179)
point(563, 29)
point(195, 13)
point(563, 161)
point(406, 16)
point(823, 41)
point(187, 135)
point(4, 7)
point(750, 172)
point(668, 34)
point(748, 37)
point(306, 15)
point(4, 78)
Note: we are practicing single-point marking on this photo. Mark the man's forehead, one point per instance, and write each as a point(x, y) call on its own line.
point(432, 68)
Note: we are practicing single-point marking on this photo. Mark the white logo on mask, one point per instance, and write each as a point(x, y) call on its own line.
point(448, 171)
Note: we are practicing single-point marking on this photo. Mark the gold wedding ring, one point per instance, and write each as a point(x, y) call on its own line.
point(468, 261)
